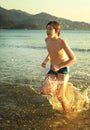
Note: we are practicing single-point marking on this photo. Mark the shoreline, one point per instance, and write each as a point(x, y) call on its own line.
point(22, 108)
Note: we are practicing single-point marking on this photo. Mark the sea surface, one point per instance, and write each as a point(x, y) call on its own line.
point(21, 77)
point(22, 52)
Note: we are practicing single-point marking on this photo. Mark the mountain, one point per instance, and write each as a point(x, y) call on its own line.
point(17, 19)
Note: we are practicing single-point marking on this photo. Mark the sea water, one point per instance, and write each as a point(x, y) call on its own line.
point(22, 52)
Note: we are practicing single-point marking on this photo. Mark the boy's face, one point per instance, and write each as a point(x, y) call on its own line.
point(50, 30)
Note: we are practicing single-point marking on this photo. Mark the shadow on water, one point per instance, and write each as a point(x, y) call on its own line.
point(23, 109)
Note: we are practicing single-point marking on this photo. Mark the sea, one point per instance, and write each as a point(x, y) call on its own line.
point(23, 51)
point(21, 55)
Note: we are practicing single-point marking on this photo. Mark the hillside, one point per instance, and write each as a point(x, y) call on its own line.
point(17, 19)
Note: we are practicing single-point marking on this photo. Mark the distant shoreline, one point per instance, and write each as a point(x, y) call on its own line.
point(18, 19)
point(44, 29)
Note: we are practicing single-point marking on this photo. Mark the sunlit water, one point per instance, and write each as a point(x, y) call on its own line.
point(22, 52)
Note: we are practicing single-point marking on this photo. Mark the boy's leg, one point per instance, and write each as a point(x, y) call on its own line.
point(61, 90)
point(49, 84)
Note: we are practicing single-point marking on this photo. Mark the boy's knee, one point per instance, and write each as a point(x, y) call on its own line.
point(60, 97)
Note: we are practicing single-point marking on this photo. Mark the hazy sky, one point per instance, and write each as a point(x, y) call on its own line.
point(76, 10)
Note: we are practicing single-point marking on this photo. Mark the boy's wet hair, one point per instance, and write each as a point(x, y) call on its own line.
point(55, 25)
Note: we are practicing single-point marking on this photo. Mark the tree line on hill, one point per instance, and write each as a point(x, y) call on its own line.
point(17, 19)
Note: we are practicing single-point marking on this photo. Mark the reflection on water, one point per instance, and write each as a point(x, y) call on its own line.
point(22, 108)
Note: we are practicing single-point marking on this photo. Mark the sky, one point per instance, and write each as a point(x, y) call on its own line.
point(75, 10)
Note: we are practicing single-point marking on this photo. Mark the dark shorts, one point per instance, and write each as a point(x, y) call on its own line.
point(64, 70)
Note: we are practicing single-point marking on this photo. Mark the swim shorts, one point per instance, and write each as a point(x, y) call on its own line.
point(64, 70)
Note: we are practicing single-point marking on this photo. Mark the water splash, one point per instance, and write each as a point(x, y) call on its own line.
point(78, 100)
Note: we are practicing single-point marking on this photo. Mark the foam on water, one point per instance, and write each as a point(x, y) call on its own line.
point(78, 100)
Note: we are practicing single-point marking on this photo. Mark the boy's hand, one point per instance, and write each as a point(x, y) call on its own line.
point(43, 64)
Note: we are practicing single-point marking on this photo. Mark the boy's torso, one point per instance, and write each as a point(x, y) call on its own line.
point(56, 51)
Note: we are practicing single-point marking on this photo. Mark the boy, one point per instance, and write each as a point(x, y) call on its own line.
point(60, 56)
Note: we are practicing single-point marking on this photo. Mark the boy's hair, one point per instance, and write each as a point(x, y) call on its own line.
point(55, 25)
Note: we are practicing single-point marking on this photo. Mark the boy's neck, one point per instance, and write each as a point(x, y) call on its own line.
point(54, 37)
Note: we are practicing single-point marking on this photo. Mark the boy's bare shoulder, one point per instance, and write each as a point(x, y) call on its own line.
point(62, 41)
point(64, 44)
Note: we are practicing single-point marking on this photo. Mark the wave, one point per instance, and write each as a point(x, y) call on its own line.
point(81, 49)
point(41, 47)
point(22, 46)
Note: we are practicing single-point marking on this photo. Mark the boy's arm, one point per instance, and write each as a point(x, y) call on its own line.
point(70, 55)
point(45, 61)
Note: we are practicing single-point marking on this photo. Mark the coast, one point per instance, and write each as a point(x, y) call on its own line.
point(21, 108)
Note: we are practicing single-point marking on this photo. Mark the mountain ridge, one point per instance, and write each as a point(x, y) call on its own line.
point(18, 19)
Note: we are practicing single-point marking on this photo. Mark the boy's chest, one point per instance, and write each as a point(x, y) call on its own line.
point(55, 46)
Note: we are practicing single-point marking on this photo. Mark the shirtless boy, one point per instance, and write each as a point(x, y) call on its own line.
point(61, 57)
